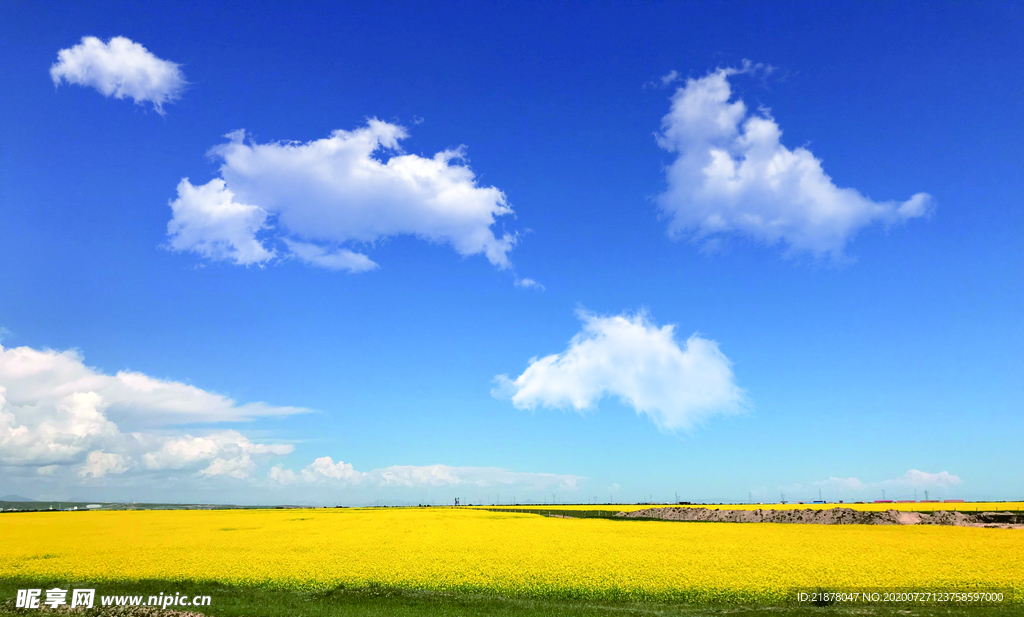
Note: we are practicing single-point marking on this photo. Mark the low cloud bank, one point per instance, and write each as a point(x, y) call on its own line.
point(57, 413)
point(325, 470)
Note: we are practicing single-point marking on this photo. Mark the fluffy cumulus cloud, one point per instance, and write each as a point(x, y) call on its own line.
point(207, 220)
point(58, 431)
point(119, 68)
point(320, 470)
point(325, 470)
point(327, 195)
point(733, 175)
point(627, 356)
point(223, 453)
point(57, 413)
point(100, 463)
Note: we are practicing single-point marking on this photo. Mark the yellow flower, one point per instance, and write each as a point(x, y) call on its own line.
point(506, 552)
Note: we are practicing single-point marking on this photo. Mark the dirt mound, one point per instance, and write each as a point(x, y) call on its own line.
point(832, 516)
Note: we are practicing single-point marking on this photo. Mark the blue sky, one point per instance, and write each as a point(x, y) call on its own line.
point(832, 351)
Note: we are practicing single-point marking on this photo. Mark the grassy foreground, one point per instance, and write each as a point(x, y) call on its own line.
point(235, 601)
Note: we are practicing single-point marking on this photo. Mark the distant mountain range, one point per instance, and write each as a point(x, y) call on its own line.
point(15, 498)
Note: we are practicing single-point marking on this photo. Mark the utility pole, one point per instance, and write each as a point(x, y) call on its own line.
point(819, 495)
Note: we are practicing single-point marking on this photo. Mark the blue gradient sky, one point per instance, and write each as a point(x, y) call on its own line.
point(905, 356)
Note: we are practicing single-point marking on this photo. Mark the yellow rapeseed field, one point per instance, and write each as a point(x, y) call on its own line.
point(511, 553)
point(991, 506)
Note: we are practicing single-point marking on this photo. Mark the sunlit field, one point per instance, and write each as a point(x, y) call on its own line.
point(448, 549)
point(991, 506)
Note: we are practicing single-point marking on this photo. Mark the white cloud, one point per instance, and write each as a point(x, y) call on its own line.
point(425, 475)
point(923, 479)
point(444, 475)
point(732, 175)
point(226, 450)
point(320, 470)
point(529, 284)
point(335, 191)
point(238, 467)
point(119, 68)
point(55, 413)
point(327, 468)
point(664, 81)
point(58, 431)
point(99, 464)
point(281, 475)
point(207, 220)
point(331, 259)
point(324, 469)
point(47, 378)
point(180, 452)
point(629, 357)
point(913, 479)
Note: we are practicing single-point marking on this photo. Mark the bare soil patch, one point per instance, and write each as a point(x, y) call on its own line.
point(834, 516)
